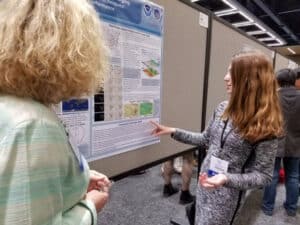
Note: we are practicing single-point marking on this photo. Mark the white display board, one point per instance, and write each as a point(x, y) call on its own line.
point(117, 119)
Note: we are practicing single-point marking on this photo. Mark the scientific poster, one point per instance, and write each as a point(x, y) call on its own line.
point(116, 119)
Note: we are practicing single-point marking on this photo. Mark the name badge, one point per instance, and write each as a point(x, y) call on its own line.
point(217, 166)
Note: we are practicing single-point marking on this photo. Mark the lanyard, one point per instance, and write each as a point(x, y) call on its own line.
point(77, 153)
point(223, 139)
point(74, 148)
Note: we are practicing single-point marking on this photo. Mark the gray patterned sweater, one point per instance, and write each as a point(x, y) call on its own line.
point(250, 166)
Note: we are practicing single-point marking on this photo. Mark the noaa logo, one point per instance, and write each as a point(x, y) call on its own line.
point(147, 10)
point(157, 14)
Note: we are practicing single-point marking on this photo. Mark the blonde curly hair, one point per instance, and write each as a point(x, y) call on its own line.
point(50, 50)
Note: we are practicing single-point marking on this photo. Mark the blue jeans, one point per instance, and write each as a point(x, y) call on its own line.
point(291, 170)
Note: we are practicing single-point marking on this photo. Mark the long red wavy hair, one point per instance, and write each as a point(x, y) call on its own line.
point(254, 106)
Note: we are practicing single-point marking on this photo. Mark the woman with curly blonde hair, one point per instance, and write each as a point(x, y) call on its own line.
point(241, 139)
point(49, 51)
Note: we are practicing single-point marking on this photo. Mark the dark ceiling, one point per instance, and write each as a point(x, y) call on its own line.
point(282, 16)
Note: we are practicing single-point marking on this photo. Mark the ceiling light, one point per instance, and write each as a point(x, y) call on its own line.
point(228, 12)
point(256, 32)
point(242, 24)
point(280, 41)
point(291, 51)
point(246, 16)
point(266, 39)
point(275, 44)
point(251, 21)
point(231, 6)
point(270, 34)
point(224, 11)
point(239, 9)
point(260, 26)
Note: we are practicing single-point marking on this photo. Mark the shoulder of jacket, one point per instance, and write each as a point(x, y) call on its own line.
point(220, 109)
point(268, 140)
point(17, 111)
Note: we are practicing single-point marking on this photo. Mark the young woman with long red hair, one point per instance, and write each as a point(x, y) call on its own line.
point(241, 139)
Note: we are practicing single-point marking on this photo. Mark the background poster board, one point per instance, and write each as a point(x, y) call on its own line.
point(225, 43)
point(281, 62)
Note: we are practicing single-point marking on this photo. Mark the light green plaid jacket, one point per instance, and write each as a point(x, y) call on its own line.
point(40, 178)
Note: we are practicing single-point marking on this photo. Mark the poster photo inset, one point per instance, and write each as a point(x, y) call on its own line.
point(131, 110)
point(75, 105)
point(146, 109)
point(151, 68)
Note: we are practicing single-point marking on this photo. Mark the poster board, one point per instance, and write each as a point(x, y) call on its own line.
point(116, 119)
point(225, 43)
point(181, 92)
point(281, 62)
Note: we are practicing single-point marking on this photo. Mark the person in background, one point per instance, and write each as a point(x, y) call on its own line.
point(49, 51)
point(288, 146)
point(297, 85)
point(241, 139)
point(186, 174)
point(297, 82)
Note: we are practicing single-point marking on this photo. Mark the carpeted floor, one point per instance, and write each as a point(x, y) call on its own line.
point(138, 200)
